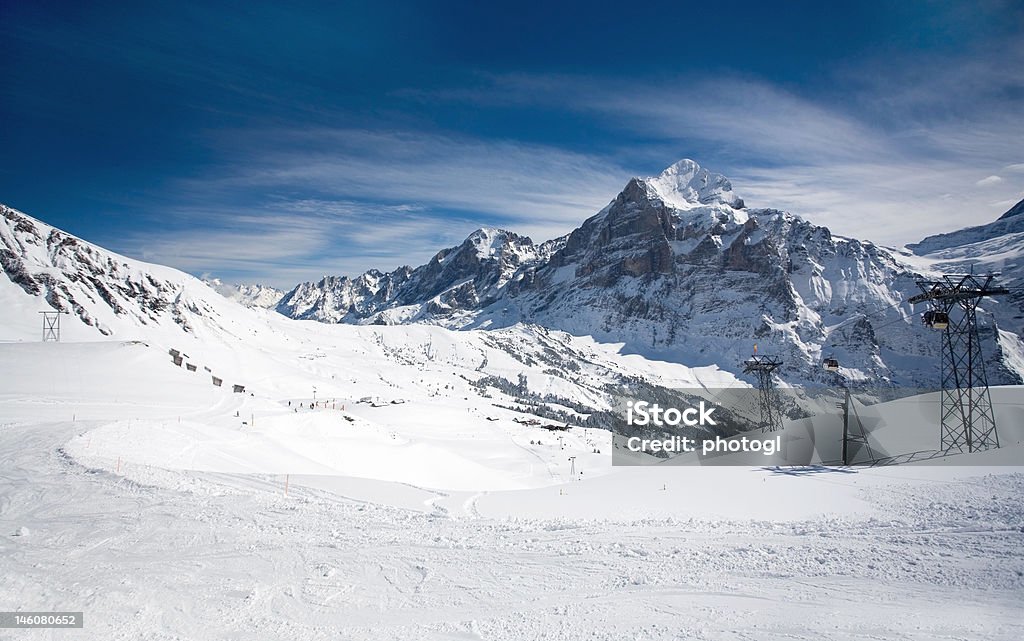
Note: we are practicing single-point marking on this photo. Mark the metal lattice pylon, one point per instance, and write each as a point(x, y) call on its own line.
point(51, 325)
point(763, 366)
point(967, 421)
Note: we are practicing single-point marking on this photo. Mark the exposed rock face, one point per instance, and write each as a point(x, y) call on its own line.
point(713, 280)
point(630, 237)
point(76, 277)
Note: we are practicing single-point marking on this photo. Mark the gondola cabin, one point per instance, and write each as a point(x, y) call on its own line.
point(935, 319)
point(831, 364)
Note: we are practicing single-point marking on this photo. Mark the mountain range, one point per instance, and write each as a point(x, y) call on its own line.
point(676, 267)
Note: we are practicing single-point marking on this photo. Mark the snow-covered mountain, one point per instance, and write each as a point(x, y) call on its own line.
point(101, 289)
point(1008, 229)
point(676, 267)
point(997, 247)
point(368, 470)
point(470, 276)
point(108, 295)
point(250, 295)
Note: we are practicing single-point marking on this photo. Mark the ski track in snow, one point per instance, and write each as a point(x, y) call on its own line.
point(159, 554)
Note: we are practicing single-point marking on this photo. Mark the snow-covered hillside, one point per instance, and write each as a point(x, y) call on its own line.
point(1007, 228)
point(165, 508)
point(103, 293)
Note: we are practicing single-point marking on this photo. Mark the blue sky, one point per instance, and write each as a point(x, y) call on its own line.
point(278, 143)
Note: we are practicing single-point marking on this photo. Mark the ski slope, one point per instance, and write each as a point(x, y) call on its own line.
point(130, 490)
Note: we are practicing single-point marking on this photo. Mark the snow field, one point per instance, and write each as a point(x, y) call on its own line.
point(130, 490)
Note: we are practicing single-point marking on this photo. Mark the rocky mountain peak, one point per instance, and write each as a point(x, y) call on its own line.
point(491, 242)
point(686, 184)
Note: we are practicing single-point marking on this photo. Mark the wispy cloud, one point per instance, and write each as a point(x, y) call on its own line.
point(301, 203)
point(294, 240)
point(541, 188)
point(892, 154)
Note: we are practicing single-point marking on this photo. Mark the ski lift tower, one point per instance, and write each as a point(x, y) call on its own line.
point(967, 421)
point(51, 325)
point(762, 366)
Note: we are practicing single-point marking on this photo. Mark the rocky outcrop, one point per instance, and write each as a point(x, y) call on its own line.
point(78, 278)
